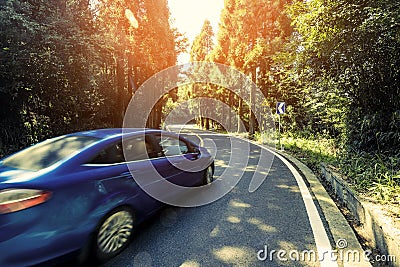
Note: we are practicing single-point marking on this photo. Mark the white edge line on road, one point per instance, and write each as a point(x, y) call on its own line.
point(322, 242)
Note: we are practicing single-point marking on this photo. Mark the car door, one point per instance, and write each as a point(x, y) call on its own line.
point(173, 164)
point(114, 166)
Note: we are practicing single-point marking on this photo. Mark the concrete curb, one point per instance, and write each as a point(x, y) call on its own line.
point(338, 225)
point(378, 231)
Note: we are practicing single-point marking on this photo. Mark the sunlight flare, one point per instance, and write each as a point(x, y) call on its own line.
point(132, 20)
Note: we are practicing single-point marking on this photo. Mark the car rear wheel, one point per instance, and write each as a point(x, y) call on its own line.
point(208, 176)
point(114, 233)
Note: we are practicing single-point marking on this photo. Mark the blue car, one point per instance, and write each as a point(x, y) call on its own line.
point(76, 193)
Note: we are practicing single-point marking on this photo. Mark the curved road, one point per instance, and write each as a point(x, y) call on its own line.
point(240, 229)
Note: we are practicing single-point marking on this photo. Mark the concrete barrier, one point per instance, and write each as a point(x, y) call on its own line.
point(377, 229)
point(338, 226)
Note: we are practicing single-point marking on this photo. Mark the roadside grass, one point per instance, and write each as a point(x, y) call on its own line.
point(312, 151)
point(376, 177)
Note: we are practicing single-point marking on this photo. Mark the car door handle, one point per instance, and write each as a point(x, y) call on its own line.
point(126, 174)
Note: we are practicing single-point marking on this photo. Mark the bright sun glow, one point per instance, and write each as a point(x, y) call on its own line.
point(189, 15)
point(132, 20)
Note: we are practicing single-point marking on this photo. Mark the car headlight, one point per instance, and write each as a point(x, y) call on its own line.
point(12, 200)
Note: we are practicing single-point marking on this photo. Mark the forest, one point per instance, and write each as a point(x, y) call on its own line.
point(74, 64)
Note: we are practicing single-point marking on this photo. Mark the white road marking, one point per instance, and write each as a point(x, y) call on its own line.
point(322, 242)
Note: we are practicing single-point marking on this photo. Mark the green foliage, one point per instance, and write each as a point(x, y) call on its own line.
point(377, 175)
point(68, 65)
point(339, 75)
point(312, 150)
point(346, 67)
point(374, 176)
point(44, 70)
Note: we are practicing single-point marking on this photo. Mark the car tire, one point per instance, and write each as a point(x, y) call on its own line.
point(113, 234)
point(208, 176)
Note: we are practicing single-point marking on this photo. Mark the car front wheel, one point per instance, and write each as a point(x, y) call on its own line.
point(114, 233)
point(208, 176)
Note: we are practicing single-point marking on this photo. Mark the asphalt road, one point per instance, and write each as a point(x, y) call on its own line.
point(240, 229)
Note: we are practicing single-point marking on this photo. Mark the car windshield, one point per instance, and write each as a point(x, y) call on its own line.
point(45, 154)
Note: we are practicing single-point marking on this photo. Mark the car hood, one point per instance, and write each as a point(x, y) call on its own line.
point(13, 175)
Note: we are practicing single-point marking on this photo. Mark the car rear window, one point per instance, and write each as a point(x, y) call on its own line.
point(47, 153)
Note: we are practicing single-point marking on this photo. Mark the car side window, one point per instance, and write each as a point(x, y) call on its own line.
point(110, 155)
point(138, 148)
point(172, 146)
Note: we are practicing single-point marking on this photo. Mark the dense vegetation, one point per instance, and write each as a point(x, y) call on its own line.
point(347, 74)
point(72, 65)
point(335, 63)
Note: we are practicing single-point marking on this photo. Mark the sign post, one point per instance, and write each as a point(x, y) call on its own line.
point(280, 109)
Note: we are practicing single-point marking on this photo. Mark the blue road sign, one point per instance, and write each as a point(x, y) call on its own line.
point(280, 108)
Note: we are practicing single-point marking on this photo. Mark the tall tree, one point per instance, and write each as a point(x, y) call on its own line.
point(203, 43)
point(200, 51)
point(350, 54)
point(250, 34)
point(133, 54)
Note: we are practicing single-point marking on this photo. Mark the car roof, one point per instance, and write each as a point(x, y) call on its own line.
point(112, 132)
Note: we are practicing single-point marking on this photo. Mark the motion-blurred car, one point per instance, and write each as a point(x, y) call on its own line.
point(76, 192)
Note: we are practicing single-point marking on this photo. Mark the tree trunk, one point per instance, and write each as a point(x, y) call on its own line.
point(120, 109)
point(207, 123)
point(239, 114)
